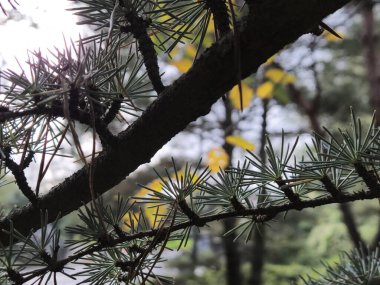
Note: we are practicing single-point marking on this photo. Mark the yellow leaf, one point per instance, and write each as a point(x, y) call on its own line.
point(129, 220)
point(149, 212)
point(181, 175)
point(183, 65)
point(265, 90)
point(191, 51)
point(217, 158)
point(240, 142)
point(271, 59)
point(164, 18)
point(234, 95)
point(278, 75)
point(330, 37)
point(154, 213)
point(155, 185)
point(175, 52)
point(211, 26)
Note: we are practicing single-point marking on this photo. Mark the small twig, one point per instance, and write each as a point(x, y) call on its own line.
point(20, 178)
point(368, 177)
point(190, 213)
point(293, 197)
point(330, 187)
point(138, 27)
point(221, 19)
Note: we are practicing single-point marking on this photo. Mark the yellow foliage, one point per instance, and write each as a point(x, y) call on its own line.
point(175, 52)
point(240, 142)
point(271, 59)
point(149, 212)
point(164, 18)
point(154, 214)
point(330, 37)
point(211, 26)
point(191, 51)
point(217, 158)
point(183, 65)
point(181, 175)
point(129, 220)
point(155, 185)
point(234, 95)
point(278, 75)
point(265, 90)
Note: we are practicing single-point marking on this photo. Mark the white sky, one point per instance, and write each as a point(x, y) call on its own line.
point(43, 26)
point(37, 24)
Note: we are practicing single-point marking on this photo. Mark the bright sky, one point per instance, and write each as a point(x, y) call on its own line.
point(36, 24)
point(43, 26)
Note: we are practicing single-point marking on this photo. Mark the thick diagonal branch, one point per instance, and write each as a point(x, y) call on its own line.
point(275, 24)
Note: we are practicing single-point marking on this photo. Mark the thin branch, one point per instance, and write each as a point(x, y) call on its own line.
point(259, 214)
point(57, 111)
point(21, 181)
point(138, 27)
point(221, 19)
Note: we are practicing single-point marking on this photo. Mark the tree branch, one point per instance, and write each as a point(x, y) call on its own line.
point(265, 31)
point(260, 215)
point(78, 115)
point(138, 27)
point(19, 175)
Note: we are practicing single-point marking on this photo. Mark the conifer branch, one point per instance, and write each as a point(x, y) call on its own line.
point(19, 175)
point(190, 97)
point(75, 114)
point(221, 18)
point(259, 215)
point(138, 27)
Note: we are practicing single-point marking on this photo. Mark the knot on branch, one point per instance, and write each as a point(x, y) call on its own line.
point(53, 264)
point(119, 231)
point(137, 249)
point(237, 205)
point(126, 265)
point(19, 175)
point(330, 187)
point(368, 177)
point(293, 197)
point(45, 257)
point(112, 112)
point(221, 18)
point(138, 28)
point(4, 108)
point(260, 219)
point(105, 240)
point(15, 276)
point(194, 218)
